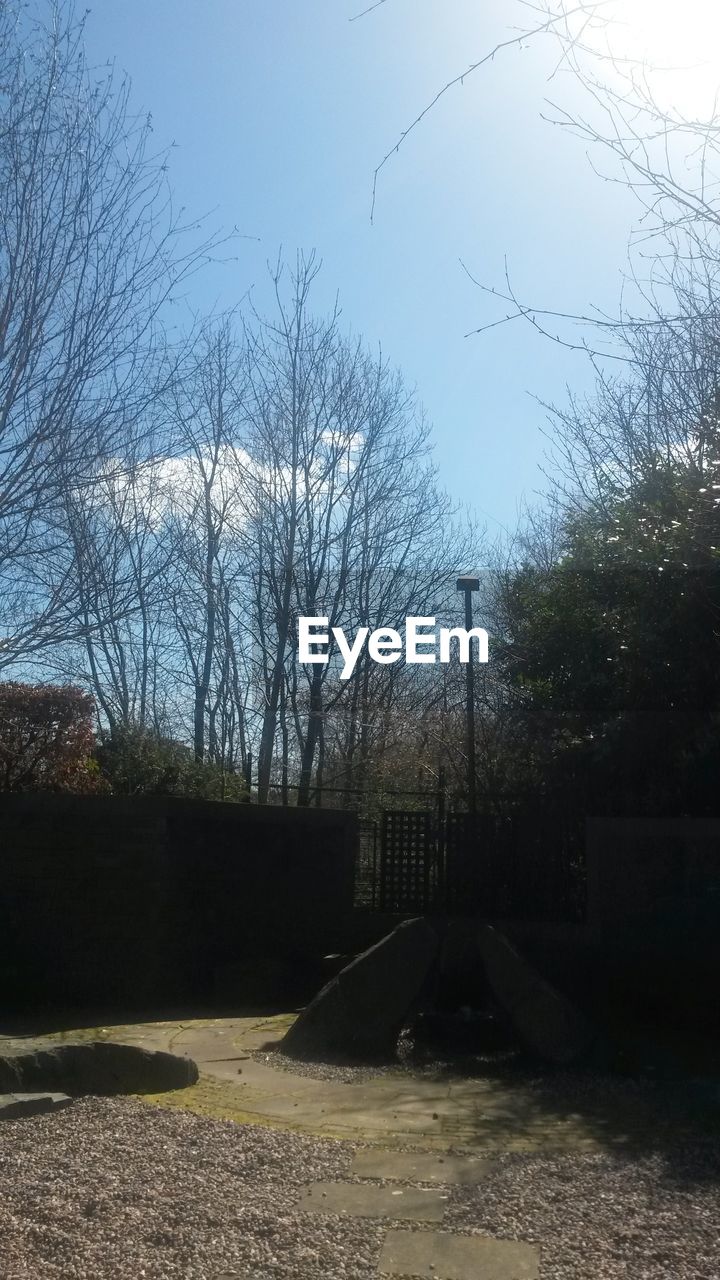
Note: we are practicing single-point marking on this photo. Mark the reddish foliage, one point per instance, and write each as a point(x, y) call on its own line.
point(46, 738)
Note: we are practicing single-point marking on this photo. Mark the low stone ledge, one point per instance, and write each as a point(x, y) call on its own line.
point(95, 1067)
point(16, 1106)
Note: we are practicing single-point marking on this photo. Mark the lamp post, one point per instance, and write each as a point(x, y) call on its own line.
point(467, 585)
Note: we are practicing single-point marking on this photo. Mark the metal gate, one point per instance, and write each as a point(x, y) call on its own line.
point(528, 866)
point(426, 862)
point(409, 877)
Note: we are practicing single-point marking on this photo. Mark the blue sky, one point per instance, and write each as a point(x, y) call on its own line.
point(281, 109)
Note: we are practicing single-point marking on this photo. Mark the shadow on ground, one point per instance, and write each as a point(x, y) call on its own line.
point(504, 1097)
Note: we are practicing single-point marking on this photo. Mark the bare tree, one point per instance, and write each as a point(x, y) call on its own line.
point(90, 252)
point(120, 553)
point(347, 521)
point(289, 360)
point(207, 518)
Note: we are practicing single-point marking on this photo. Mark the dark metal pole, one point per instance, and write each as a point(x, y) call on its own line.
point(441, 842)
point(467, 585)
point(470, 709)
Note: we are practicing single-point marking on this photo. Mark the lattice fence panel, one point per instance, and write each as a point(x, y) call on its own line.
point(406, 857)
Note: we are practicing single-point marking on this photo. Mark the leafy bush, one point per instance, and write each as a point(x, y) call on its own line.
point(47, 739)
point(135, 761)
point(612, 653)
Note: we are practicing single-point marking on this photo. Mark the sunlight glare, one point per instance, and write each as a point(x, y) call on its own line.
point(680, 41)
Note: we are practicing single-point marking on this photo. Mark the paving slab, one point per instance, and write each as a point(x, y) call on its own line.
point(368, 1201)
point(419, 1166)
point(15, 1106)
point(443, 1256)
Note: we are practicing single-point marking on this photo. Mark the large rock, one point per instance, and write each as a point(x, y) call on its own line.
point(97, 1066)
point(361, 1012)
point(544, 1020)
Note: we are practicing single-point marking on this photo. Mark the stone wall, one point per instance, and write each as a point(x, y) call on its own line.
point(148, 900)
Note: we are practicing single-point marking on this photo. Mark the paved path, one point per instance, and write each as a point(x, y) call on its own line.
point(396, 1109)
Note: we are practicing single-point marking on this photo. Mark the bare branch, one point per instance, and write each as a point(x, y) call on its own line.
point(548, 26)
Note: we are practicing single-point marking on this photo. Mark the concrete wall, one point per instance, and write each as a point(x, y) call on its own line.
point(642, 870)
point(105, 899)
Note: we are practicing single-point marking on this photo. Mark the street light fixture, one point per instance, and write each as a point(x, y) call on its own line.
point(467, 585)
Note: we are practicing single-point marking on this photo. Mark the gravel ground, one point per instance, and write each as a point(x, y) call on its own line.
point(605, 1217)
point(115, 1190)
point(341, 1072)
point(111, 1189)
point(407, 1059)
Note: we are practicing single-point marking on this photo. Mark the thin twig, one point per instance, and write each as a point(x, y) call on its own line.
point(368, 10)
point(512, 42)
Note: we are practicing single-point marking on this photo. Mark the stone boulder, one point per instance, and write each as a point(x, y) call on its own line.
point(360, 1013)
point(97, 1067)
point(544, 1020)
